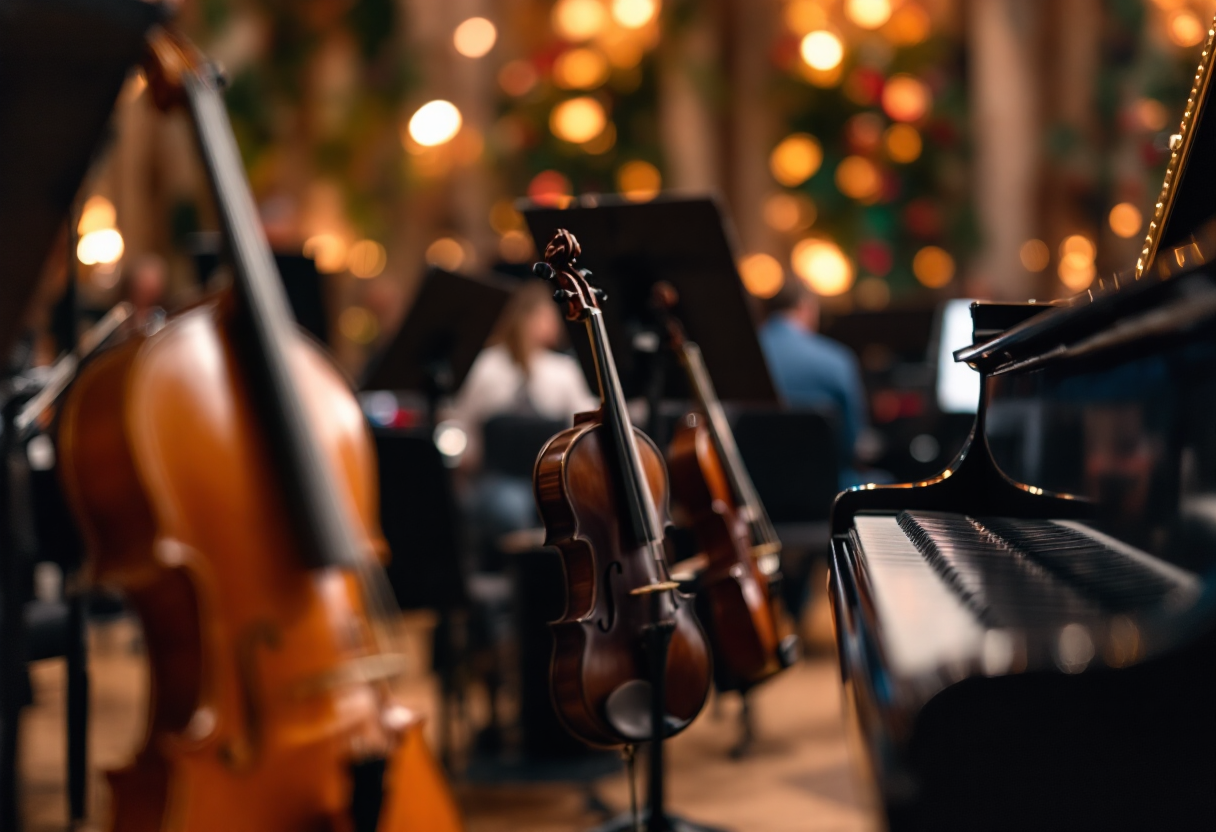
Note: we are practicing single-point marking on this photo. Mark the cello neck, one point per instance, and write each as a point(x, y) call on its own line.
point(641, 521)
point(264, 328)
point(723, 438)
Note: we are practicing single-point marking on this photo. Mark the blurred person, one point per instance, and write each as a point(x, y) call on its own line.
point(813, 371)
point(520, 373)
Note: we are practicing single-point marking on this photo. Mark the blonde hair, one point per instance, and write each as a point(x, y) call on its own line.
point(511, 330)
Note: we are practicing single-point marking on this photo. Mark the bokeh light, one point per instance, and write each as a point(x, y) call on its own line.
point(1185, 29)
point(803, 16)
point(822, 266)
point(328, 252)
point(550, 187)
point(366, 259)
point(435, 123)
point(872, 294)
point(97, 213)
point(580, 69)
point(789, 212)
point(515, 247)
point(1076, 271)
point(868, 14)
point(762, 274)
point(517, 78)
point(822, 50)
point(504, 217)
point(475, 37)
point(1078, 244)
point(634, 14)
point(903, 143)
point(933, 267)
point(638, 181)
point(1034, 255)
point(446, 253)
point(601, 143)
point(1151, 114)
point(578, 20)
point(358, 325)
point(909, 25)
point(858, 178)
point(905, 98)
point(863, 132)
point(795, 159)
point(1125, 220)
point(578, 120)
point(104, 245)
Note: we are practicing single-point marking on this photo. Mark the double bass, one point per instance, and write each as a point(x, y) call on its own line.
point(602, 491)
point(739, 590)
point(224, 479)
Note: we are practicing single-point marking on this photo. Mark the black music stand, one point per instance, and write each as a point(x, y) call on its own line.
point(447, 326)
point(687, 242)
point(62, 65)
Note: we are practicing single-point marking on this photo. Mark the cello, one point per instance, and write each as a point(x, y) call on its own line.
point(751, 633)
point(224, 479)
point(602, 492)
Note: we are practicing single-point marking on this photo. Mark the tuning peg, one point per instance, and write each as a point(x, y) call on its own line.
point(563, 296)
point(543, 271)
point(600, 294)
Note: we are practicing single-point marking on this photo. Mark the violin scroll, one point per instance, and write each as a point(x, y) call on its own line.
point(574, 292)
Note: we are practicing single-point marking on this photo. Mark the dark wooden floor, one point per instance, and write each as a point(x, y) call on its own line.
point(797, 778)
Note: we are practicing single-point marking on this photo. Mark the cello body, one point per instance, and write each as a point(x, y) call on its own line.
point(596, 646)
point(743, 616)
point(254, 720)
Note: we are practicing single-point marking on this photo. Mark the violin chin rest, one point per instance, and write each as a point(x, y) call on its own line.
point(628, 711)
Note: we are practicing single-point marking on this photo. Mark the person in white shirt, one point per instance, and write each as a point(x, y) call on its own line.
point(518, 374)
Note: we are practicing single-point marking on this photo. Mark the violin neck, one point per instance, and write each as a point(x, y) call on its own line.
point(266, 328)
point(640, 519)
point(723, 438)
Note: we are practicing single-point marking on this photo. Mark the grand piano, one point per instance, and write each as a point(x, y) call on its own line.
point(1028, 639)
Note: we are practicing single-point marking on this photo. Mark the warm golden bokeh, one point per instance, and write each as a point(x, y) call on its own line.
point(638, 181)
point(1125, 220)
point(872, 294)
point(475, 37)
point(1078, 244)
point(358, 325)
point(515, 247)
point(328, 251)
point(789, 212)
point(366, 259)
point(868, 14)
point(1035, 255)
point(905, 98)
point(580, 69)
point(578, 20)
point(762, 275)
point(578, 120)
point(1185, 29)
point(903, 143)
point(1077, 271)
point(858, 178)
point(435, 123)
point(447, 253)
point(822, 266)
point(97, 213)
point(822, 50)
point(634, 14)
point(795, 159)
point(909, 25)
point(933, 267)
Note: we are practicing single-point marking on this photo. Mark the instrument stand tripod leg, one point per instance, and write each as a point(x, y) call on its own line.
point(656, 818)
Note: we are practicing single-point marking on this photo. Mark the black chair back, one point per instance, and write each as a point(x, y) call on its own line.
point(793, 460)
point(510, 443)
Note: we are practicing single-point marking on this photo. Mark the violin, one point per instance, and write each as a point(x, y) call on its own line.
point(224, 479)
point(602, 492)
point(751, 633)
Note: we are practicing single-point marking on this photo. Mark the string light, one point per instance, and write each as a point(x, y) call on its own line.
point(580, 69)
point(1125, 220)
point(795, 159)
point(1076, 271)
point(327, 251)
point(97, 213)
point(789, 212)
point(905, 98)
point(803, 16)
point(858, 178)
point(1151, 114)
point(505, 217)
point(1185, 29)
point(517, 78)
point(903, 143)
point(638, 181)
point(822, 266)
point(603, 142)
point(435, 123)
point(1034, 255)
point(578, 120)
point(475, 37)
point(761, 274)
point(1078, 244)
point(909, 25)
point(634, 14)
point(822, 50)
point(550, 187)
point(366, 259)
point(104, 245)
point(578, 20)
point(868, 14)
point(445, 253)
point(515, 247)
point(933, 267)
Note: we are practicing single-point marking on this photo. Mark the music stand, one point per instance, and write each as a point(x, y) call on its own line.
point(447, 325)
point(629, 247)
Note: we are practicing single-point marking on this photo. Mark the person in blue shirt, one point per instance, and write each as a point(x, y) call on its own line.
point(813, 371)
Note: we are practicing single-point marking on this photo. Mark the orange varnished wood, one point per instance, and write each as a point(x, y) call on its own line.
point(169, 475)
point(746, 623)
point(598, 643)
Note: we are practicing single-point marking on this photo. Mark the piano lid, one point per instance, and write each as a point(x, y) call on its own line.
point(1181, 235)
point(62, 63)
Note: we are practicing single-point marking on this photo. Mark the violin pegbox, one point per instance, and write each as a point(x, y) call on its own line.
point(576, 295)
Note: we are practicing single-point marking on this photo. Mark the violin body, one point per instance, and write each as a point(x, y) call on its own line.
point(747, 625)
point(598, 646)
point(254, 719)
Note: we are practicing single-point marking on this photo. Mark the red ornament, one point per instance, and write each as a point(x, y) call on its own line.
point(875, 257)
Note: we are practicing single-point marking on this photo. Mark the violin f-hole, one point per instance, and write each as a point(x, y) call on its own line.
point(605, 626)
